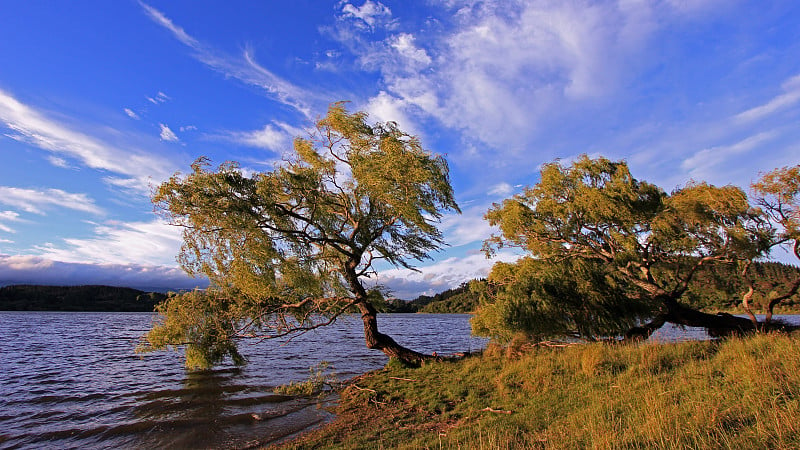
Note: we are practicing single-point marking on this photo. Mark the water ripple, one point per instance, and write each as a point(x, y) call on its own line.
point(72, 380)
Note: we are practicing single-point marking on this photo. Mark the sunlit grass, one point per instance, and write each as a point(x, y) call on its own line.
point(741, 393)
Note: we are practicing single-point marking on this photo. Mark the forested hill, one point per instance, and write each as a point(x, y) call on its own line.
point(456, 300)
point(24, 297)
point(720, 287)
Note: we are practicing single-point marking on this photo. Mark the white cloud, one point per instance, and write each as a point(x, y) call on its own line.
point(466, 228)
point(167, 134)
point(443, 275)
point(384, 108)
point(789, 97)
point(33, 201)
point(501, 190)
point(29, 269)
point(275, 136)
point(158, 98)
point(31, 126)
point(369, 15)
point(507, 66)
point(130, 113)
point(703, 165)
point(143, 243)
point(405, 46)
point(244, 68)
point(58, 162)
point(8, 216)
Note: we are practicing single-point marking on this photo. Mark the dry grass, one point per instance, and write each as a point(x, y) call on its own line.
point(741, 393)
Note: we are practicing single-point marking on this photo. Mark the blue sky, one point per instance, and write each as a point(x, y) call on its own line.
point(100, 101)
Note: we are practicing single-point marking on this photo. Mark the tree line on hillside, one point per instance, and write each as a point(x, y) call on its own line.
point(288, 250)
point(24, 297)
point(458, 300)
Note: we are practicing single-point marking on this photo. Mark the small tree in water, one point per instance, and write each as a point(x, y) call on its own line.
point(286, 251)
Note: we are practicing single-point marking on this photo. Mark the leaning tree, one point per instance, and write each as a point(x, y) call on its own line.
point(606, 252)
point(777, 194)
point(287, 251)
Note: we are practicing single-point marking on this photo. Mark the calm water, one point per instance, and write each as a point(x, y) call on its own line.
point(72, 380)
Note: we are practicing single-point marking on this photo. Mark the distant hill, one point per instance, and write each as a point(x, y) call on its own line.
point(25, 297)
point(456, 300)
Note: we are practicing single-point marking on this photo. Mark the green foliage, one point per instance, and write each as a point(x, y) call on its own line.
point(204, 322)
point(577, 297)
point(285, 250)
point(607, 250)
point(318, 379)
point(739, 393)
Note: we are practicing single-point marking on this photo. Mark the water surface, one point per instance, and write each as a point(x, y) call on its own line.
point(72, 380)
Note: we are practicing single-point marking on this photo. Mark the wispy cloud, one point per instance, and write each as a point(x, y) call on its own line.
point(789, 97)
point(8, 216)
point(159, 98)
point(445, 274)
point(244, 67)
point(498, 72)
point(36, 201)
point(368, 15)
point(167, 134)
point(501, 190)
point(275, 136)
point(145, 243)
point(33, 127)
point(468, 227)
point(130, 113)
point(58, 162)
point(702, 164)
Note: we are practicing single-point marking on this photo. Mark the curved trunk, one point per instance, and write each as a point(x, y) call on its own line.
point(369, 315)
point(793, 289)
point(749, 295)
point(645, 331)
point(717, 325)
point(721, 324)
point(383, 342)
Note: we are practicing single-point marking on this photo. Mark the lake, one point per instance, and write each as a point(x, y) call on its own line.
point(72, 380)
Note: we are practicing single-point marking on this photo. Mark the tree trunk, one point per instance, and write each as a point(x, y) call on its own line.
point(369, 315)
point(645, 331)
point(383, 342)
point(720, 324)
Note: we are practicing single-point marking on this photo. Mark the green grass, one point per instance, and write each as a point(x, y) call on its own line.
point(740, 393)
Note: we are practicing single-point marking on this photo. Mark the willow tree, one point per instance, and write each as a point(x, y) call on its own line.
point(778, 195)
point(614, 251)
point(287, 251)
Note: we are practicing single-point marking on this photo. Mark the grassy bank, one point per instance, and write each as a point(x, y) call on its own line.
point(741, 393)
